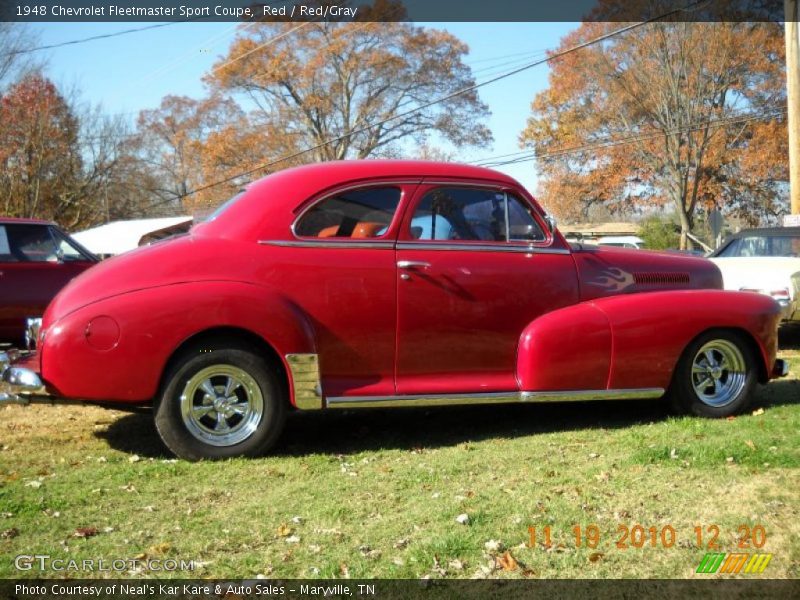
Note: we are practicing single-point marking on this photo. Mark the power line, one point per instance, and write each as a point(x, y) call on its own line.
point(444, 98)
point(533, 155)
point(92, 38)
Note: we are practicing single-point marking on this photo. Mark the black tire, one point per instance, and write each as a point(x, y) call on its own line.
point(700, 387)
point(255, 408)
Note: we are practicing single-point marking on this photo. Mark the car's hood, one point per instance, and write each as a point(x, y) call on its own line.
point(186, 258)
point(606, 271)
point(766, 273)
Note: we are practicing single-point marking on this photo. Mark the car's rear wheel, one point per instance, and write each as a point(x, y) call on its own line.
point(220, 401)
point(716, 375)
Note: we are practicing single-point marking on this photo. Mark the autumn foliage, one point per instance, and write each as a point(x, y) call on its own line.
point(687, 115)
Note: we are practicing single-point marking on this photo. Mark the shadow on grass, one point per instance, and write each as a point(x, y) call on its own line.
point(344, 432)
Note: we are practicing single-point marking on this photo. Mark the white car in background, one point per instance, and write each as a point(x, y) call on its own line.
point(621, 241)
point(766, 261)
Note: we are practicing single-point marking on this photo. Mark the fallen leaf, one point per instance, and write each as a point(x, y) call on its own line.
point(85, 532)
point(161, 548)
point(595, 556)
point(9, 533)
point(673, 454)
point(463, 519)
point(34, 484)
point(401, 543)
point(507, 562)
point(750, 444)
point(293, 539)
point(297, 520)
point(729, 459)
point(344, 571)
point(134, 458)
point(284, 530)
point(730, 418)
point(758, 412)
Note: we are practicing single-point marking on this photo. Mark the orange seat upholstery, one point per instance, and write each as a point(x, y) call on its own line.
point(328, 231)
point(367, 230)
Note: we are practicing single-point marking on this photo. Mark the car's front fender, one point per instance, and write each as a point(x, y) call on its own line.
point(634, 341)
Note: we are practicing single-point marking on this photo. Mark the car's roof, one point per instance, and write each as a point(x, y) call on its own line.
point(342, 170)
point(21, 221)
point(284, 192)
point(768, 231)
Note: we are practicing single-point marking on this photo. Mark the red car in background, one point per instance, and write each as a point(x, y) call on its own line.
point(37, 259)
point(389, 283)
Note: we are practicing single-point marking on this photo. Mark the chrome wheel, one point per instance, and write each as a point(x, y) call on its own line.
point(222, 405)
point(719, 373)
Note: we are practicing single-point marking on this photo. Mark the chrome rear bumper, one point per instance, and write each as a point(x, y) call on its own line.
point(18, 385)
point(781, 368)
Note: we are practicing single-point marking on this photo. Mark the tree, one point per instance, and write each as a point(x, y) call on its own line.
point(180, 144)
point(38, 152)
point(650, 117)
point(15, 58)
point(320, 81)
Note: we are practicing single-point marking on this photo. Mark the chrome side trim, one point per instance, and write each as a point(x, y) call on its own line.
point(306, 384)
point(345, 244)
point(499, 247)
point(581, 395)
point(491, 398)
point(421, 400)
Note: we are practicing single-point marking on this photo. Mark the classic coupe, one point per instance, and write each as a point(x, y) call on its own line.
point(766, 261)
point(388, 284)
point(37, 259)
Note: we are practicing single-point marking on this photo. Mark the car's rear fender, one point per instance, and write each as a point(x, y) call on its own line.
point(153, 324)
point(634, 341)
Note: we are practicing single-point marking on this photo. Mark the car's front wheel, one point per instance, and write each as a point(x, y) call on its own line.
point(716, 375)
point(220, 401)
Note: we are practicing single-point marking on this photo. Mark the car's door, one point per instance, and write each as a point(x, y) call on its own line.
point(475, 264)
point(36, 261)
point(339, 268)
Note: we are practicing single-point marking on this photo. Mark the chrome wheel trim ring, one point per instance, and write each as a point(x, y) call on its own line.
point(719, 373)
point(221, 405)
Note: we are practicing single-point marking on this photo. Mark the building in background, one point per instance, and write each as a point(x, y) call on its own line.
point(120, 236)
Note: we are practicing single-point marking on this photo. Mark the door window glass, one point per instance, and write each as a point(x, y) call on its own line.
point(32, 243)
point(474, 214)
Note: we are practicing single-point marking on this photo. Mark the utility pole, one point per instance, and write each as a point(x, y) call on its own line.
point(793, 97)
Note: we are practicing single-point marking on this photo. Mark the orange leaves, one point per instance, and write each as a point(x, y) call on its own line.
point(642, 117)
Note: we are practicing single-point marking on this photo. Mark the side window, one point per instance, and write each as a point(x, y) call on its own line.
point(365, 213)
point(29, 243)
point(473, 214)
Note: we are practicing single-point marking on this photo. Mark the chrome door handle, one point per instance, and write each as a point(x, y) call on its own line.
point(412, 264)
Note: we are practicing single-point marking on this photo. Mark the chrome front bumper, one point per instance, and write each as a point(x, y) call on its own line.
point(18, 385)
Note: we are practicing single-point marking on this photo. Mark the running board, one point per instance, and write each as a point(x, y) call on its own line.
point(490, 398)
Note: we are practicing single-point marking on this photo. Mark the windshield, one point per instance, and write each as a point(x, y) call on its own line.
point(224, 206)
point(761, 245)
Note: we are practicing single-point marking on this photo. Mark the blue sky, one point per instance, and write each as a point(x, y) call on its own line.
point(131, 72)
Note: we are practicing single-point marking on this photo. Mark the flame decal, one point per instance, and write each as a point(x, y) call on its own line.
point(613, 280)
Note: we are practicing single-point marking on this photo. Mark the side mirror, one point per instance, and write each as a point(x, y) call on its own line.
point(552, 224)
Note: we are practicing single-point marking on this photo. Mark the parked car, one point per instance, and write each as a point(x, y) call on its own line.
point(766, 261)
point(388, 284)
point(621, 241)
point(37, 259)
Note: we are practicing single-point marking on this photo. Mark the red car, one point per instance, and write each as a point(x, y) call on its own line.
point(390, 283)
point(37, 259)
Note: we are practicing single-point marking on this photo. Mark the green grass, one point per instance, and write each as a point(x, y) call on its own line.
point(377, 493)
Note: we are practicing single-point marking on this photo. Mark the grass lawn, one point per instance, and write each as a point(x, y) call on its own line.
point(378, 493)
